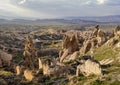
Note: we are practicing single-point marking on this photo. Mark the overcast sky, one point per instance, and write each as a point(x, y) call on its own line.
point(40, 9)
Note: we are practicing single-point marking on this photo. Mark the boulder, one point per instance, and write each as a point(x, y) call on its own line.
point(89, 67)
point(28, 75)
point(18, 70)
point(106, 61)
point(6, 58)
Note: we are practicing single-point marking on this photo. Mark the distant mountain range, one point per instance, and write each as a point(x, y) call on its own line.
point(113, 19)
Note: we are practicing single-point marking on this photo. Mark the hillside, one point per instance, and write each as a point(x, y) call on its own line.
point(60, 57)
point(113, 19)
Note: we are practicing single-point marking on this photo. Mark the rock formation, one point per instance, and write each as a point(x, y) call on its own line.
point(28, 75)
point(30, 53)
point(40, 63)
point(46, 65)
point(100, 35)
point(89, 67)
point(95, 32)
point(69, 46)
point(18, 70)
point(5, 58)
point(88, 45)
point(97, 39)
point(117, 31)
point(50, 68)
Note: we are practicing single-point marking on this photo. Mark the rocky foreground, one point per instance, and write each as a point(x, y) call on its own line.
point(59, 57)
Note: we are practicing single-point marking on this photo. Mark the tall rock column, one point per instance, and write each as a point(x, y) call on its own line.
point(30, 53)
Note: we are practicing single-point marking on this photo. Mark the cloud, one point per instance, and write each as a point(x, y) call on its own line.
point(101, 1)
point(113, 2)
point(58, 8)
point(22, 2)
point(11, 10)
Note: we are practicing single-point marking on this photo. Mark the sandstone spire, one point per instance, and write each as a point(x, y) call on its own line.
point(30, 53)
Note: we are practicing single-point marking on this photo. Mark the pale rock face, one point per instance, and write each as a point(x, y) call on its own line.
point(118, 45)
point(45, 65)
point(50, 67)
point(28, 75)
point(71, 57)
point(69, 46)
point(113, 41)
point(6, 58)
point(40, 63)
point(88, 68)
point(46, 69)
point(86, 47)
point(18, 70)
point(117, 31)
point(74, 55)
point(101, 40)
point(106, 61)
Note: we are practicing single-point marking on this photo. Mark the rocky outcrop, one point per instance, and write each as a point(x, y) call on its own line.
point(95, 32)
point(97, 39)
point(69, 46)
point(28, 75)
point(5, 58)
point(106, 61)
point(88, 45)
point(46, 65)
point(89, 67)
point(100, 35)
point(117, 31)
point(71, 57)
point(51, 68)
point(18, 70)
point(30, 53)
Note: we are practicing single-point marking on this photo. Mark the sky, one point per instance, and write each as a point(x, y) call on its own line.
point(45, 9)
